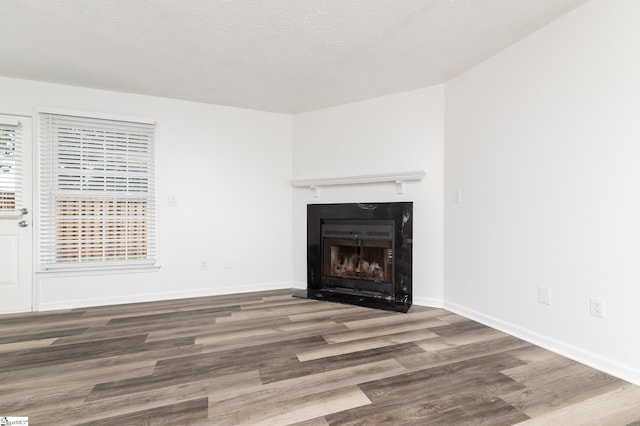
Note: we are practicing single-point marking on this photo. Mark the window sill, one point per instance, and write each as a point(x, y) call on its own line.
point(98, 270)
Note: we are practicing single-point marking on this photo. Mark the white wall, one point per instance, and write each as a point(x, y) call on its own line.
point(544, 141)
point(401, 132)
point(230, 172)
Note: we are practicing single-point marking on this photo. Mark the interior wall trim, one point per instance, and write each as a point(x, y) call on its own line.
point(608, 365)
point(398, 178)
point(168, 295)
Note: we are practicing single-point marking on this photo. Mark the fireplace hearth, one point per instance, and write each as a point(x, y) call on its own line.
point(360, 254)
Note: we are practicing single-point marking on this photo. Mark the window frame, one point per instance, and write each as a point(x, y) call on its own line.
point(152, 259)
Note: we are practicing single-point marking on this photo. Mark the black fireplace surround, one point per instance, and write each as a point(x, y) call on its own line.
point(360, 254)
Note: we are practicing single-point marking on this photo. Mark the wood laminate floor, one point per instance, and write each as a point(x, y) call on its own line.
point(268, 358)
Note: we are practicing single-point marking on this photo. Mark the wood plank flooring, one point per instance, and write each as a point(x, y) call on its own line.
point(267, 358)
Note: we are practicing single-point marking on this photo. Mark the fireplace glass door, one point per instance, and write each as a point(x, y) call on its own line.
point(357, 256)
point(359, 259)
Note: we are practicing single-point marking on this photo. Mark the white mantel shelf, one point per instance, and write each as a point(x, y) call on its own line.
point(398, 178)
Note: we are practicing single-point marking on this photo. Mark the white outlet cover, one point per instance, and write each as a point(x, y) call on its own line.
point(226, 263)
point(597, 307)
point(544, 295)
point(458, 196)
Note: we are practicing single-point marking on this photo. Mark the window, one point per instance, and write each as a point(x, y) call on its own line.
point(97, 189)
point(10, 165)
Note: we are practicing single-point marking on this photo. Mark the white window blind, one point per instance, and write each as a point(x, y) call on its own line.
point(10, 166)
point(97, 189)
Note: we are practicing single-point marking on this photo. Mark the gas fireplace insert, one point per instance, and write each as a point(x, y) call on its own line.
point(360, 254)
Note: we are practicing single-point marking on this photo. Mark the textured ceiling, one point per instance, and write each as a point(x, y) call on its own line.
point(275, 55)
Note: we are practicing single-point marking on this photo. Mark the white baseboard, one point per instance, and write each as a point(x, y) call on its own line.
point(302, 285)
point(608, 365)
point(152, 297)
point(428, 301)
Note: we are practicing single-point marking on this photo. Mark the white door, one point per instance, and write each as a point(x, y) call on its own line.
point(16, 230)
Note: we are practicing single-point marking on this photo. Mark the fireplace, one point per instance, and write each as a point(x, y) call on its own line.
point(360, 254)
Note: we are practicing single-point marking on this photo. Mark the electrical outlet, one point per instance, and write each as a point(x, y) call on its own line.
point(204, 265)
point(596, 307)
point(544, 295)
point(226, 263)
